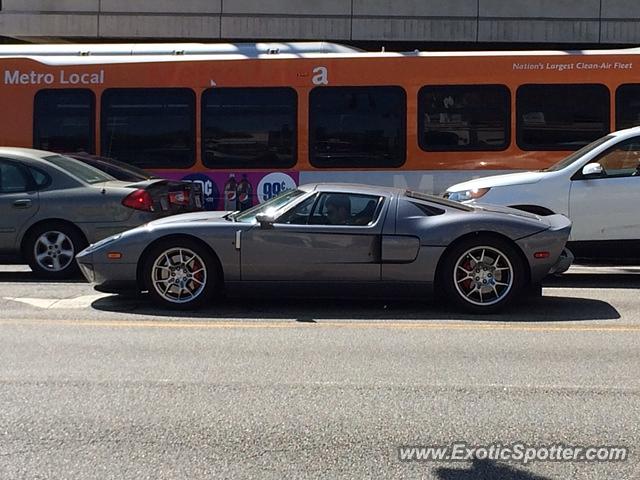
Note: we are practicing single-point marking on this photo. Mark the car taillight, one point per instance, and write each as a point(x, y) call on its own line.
point(140, 200)
point(179, 198)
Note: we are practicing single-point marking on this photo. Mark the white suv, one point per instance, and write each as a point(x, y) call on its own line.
point(597, 187)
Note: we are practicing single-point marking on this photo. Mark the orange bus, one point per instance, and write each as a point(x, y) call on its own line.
point(248, 121)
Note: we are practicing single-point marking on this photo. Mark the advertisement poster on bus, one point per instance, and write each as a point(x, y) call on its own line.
point(237, 190)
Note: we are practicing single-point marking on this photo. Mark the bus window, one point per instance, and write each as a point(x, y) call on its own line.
point(464, 117)
point(249, 127)
point(149, 127)
point(561, 117)
point(357, 127)
point(64, 120)
point(627, 106)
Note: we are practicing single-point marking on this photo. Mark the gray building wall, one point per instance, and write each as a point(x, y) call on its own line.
point(469, 21)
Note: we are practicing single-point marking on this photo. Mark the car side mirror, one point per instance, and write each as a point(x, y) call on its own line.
point(592, 170)
point(265, 221)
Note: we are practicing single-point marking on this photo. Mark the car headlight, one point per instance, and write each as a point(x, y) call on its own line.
point(466, 195)
point(103, 242)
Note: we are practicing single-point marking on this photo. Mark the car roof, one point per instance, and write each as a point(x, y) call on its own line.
point(627, 132)
point(26, 152)
point(356, 188)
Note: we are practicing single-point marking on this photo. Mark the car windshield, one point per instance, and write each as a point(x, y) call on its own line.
point(269, 207)
point(565, 162)
point(79, 170)
point(108, 165)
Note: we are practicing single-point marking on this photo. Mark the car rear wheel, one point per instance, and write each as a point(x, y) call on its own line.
point(180, 274)
point(51, 249)
point(483, 275)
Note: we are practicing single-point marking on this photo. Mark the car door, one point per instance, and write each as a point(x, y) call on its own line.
point(18, 202)
point(605, 206)
point(307, 244)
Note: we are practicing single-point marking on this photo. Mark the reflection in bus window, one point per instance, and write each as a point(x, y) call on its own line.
point(464, 117)
point(357, 126)
point(64, 120)
point(149, 128)
point(628, 106)
point(249, 127)
point(561, 117)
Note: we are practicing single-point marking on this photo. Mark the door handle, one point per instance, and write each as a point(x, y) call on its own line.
point(23, 203)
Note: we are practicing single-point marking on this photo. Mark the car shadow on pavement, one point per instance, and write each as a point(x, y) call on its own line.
point(485, 470)
point(540, 309)
point(629, 280)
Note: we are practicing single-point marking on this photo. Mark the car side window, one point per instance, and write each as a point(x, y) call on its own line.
point(41, 179)
point(622, 160)
point(417, 209)
point(13, 178)
point(345, 209)
point(298, 215)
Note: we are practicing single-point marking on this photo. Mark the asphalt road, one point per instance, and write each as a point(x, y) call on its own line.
point(99, 386)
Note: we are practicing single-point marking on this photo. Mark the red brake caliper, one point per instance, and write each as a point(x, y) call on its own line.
point(197, 267)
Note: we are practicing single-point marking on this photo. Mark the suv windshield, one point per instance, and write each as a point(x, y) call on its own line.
point(79, 170)
point(565, 162)
point(269, 207)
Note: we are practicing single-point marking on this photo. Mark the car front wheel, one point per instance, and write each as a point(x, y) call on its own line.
point(51, 249)
point(180, 274)
point(483, 275)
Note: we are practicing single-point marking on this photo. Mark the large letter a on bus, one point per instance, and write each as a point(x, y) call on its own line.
point(321, 76)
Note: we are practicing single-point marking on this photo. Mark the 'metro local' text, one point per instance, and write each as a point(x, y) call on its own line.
point(16, 77)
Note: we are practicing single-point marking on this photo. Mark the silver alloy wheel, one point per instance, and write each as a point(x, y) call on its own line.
point(53, 251)
point(483, 275)
point(179, 275)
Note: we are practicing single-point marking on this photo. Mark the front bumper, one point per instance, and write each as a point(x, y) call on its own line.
point(111, 277)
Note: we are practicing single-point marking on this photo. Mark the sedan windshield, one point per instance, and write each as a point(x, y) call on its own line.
point(269, 207)
point(565, 162)
point(79, 170)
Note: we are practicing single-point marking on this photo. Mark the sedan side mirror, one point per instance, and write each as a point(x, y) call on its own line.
point(592, 170)
point(265, 221)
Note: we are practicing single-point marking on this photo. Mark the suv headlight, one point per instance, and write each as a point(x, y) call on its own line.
point(466, 195)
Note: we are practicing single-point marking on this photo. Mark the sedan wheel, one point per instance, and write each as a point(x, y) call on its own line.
point(51, 248)
point(53, 251)
point(180, 274)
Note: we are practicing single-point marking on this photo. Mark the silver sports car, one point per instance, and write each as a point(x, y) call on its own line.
point(340, 238)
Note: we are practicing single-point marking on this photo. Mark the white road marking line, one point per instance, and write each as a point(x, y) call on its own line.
point(83, 301)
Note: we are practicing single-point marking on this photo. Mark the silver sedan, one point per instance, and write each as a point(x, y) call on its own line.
point(53, 206)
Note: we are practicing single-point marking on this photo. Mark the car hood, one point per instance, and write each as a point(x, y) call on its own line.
point(519, 178)
point(205, 216)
